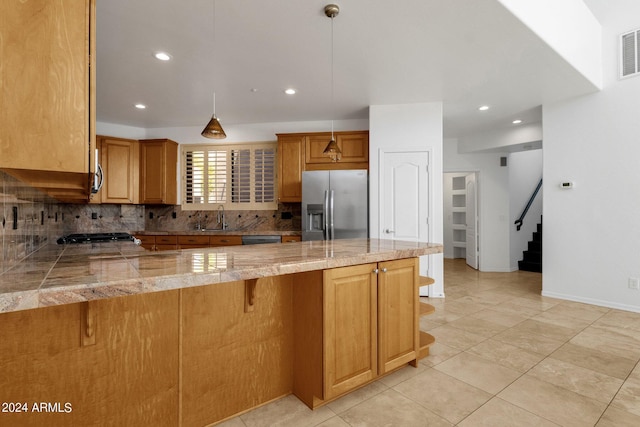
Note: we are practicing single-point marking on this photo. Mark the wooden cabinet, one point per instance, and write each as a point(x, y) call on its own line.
point(158, 171)
point(298, 152)
point(47, 124)
point(291, 239)
point(290, 167)
point(354, 147)
point(119, 159)
point(192, 242)
point(220, 240)
point(365, 318)
point(350, 328)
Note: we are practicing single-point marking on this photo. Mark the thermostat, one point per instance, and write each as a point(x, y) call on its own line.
point(566, 185)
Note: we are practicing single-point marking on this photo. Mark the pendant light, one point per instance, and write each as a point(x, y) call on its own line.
point(213, 129)
point(332, 150)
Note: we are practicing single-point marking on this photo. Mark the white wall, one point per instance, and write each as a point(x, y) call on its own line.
point(493, 202)
point(592, 232)
point(419, 127)
point(525, 171)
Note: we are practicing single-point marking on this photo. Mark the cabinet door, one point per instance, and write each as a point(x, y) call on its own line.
point(290, 167)
point(47, 83)
point(119, 161)
point(398, 313)
point(354, 146)
point(315, 145)
point(158, 171)
point(350, 328)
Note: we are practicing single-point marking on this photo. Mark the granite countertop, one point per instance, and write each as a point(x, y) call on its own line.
point(215, 232)
point(64, 274)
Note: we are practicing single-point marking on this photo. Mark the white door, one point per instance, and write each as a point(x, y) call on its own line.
point(404, 196)
point(472, 220)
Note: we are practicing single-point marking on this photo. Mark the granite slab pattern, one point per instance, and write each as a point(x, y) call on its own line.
point(65, 274)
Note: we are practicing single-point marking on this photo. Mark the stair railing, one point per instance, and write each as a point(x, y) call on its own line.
point(518, 222)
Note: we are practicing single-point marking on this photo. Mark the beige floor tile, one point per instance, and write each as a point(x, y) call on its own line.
point(426, 323)
point(500, 317)
point(478, 372)
point(554, 403)
point(233, 422)
point(402, 374)
point(286, 412)
point(497, 412)
point(620, 319)
point(529, 341)
point(444, 395)
point(443, 316)
point(358, 396)
point(614, 417)
point(599, 361)
point(555, 332)
point(574, 378)
point(579, 310)
point(559, 319)
point(481, 327)
point(456, 338)
point(439, 352)
point(538, 304)
point(506, 355)
point(465, 307)
point(334, 422)
point(600, 339)
point(513, 308)
point(628, 398)
point(391, 408)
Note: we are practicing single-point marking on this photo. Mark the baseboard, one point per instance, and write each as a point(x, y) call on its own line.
point(592, 301)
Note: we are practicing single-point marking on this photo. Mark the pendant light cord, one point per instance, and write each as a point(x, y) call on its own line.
point(332, 100)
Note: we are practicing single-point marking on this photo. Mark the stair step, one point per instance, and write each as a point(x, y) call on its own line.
point(539, 228)
point(532, 256)
point(530, 266)
point(537, 236)
point(534, 246)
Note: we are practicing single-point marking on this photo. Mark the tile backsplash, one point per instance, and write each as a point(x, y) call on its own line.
point(29, 219)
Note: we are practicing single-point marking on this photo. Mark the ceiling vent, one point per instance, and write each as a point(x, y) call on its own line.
point(630, 53)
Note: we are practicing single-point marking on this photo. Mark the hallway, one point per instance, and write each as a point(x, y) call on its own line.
point(504, 356)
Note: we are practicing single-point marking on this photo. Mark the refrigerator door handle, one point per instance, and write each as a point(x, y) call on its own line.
point(325, 216)
point(331, 229)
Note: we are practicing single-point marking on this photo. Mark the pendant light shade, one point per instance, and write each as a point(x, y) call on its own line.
point(332, 150)
point(214, 130)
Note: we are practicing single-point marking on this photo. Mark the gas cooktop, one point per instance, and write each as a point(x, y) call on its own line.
point(95, 238)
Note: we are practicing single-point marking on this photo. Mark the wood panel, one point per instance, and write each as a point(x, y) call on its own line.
point(290, 167)
point(234, 360)
point(120, 161)
point(398, 314)
point(225, 240)
point(128, 377)
point(350, 328)
point(46, 85)
point(158, 171)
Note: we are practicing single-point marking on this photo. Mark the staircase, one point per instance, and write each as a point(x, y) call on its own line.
point(532, 257)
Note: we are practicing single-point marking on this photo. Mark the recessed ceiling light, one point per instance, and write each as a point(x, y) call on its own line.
point(254, 90)
point(162, 56)
point(141, 106)
point(483, 108)
point(290, 91)
point(516, 121)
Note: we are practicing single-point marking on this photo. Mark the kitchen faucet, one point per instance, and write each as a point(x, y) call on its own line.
point(220, 218)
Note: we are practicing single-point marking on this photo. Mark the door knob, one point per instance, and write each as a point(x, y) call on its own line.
point(389, 231)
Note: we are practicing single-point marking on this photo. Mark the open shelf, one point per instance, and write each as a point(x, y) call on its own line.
point(426, 340)
point(425, 281)
point(426, 309)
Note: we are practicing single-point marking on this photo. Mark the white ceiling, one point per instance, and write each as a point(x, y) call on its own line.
point(464, 53)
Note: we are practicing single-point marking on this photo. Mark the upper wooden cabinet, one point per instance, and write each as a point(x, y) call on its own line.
point(298, 152)
point(47, 123)
point(158, 171)
point(354, 147)
point(290, 167)
point(120, 160)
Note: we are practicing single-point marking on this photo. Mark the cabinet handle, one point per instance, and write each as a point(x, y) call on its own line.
point(375, 271)
point(384, 270)
point(224, 240)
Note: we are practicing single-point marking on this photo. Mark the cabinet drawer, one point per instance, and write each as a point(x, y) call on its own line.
point(147, 240)
point(166, 240)
point(291, 239)
point(193, 240)
point(225, 240)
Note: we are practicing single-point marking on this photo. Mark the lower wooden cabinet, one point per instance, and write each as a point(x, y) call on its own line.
point(366, 318)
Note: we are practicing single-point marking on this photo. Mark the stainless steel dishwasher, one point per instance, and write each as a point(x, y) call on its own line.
point(260, 239)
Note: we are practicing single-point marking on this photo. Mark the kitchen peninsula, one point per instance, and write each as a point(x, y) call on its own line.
point(113, 333)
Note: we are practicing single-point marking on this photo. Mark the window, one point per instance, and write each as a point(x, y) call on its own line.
point(239, 177)
point(630, 54)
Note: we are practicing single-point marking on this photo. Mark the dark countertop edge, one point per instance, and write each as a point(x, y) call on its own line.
point(218, 233)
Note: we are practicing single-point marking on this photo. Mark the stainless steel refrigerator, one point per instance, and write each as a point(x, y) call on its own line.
point(335, 204)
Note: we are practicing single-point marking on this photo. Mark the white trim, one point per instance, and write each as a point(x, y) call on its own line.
point(592, 301)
